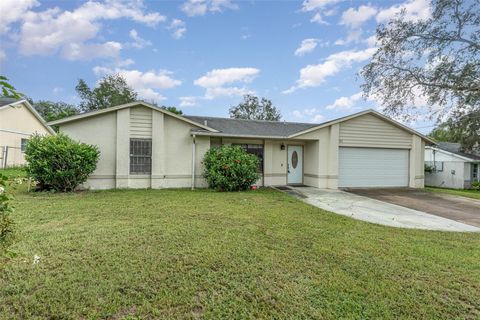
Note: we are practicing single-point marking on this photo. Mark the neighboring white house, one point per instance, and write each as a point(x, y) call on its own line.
point(143, 146)
point(18, 121)
point(451, 167)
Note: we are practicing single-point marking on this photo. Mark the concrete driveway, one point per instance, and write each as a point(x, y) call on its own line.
point(453, 207)
point(376, 211)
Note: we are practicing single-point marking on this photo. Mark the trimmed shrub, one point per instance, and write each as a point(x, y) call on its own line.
point(6, 223)
point(230, 168)
point(59, 163)
point(476, 185)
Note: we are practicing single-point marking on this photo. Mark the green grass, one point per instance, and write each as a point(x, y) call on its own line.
point(474, 194)
point(149, 254)
point(16, 172)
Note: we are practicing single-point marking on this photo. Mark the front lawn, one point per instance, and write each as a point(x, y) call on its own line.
point(474, 194)
point(148, 254)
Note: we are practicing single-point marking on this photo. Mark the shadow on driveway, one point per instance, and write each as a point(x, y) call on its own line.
point(457, 208)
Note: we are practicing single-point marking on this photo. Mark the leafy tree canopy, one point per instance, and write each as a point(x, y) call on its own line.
point(253, 108)
point(436, 60)
point(112, 90)
point(463, 129)
point(51, 111)
point(173, 109)
point(7, 90)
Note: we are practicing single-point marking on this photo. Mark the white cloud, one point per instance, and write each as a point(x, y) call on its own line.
point(215, 81)
point(220, 77)
point(73, 32)
point(371, 41)
point(414, 10)
point(313, 5)
point(321, 9)
point(201, 7)
point(318, 118)
point(355, 18)
point(123, 63)
point(138, 42)
point(57, 90)
point(307, 45)
point(188, 101)
point(178, 28)
point(146, 84)
point(82, 51)
point(345, 103)
point(352, 36)
point(315, 75)
point(12, 11)
point(308, 115)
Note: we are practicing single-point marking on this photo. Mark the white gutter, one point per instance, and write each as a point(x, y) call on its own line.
point(193, 162)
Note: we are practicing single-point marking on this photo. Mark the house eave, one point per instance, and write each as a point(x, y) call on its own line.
point(128, 105)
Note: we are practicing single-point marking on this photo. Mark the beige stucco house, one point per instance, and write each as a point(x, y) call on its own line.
point(18, 121)
point(143, 146)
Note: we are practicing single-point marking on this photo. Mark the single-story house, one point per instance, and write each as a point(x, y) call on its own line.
point(450, 167)
point(18, 122)
point(143, 146)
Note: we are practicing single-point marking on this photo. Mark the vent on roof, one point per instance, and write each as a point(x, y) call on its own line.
point(205, 123)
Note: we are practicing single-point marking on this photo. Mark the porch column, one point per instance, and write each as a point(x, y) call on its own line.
point(158, 149)
point(122, 148)
point(332, 175)
point(417, 156)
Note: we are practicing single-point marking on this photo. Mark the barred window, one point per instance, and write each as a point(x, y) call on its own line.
point(256, 149)
point(140, 156)
point(23, 144)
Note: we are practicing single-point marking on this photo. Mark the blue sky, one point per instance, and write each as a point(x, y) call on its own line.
point(200, 55)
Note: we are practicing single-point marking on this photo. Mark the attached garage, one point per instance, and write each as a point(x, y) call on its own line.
point(373, 167)
point(375, 153)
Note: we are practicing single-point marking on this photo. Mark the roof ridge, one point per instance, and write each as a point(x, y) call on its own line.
point(254, 120)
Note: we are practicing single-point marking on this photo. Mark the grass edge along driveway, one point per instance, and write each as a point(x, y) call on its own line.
point(143, 254)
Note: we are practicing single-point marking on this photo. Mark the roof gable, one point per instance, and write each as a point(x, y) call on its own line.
point(31, 109)
point(128, 105)
point(359, 114)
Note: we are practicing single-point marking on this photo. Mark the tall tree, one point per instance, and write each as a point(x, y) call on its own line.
point(7, 90)
point(253, 108)
point(112, 90)
point(173, 109)
point(51, 111)
point(435, 59)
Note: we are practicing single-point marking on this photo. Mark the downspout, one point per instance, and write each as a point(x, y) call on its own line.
point(193, 162)
point(263, 169)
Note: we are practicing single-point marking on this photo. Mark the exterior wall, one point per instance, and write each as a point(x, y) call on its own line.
point(456, 172)
point(23, 123)
point(371, 131)
point(368, 131)
point(275, 160)
point(321, 157)
point(100, 131)
point(171, 148)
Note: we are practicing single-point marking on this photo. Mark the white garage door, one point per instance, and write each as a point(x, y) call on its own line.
point(371, 167)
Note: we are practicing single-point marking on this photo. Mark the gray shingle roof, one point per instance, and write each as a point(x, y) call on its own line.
point(456, 149)
point(4, 101)
point(260, 128)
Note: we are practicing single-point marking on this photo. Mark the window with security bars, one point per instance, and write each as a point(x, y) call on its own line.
point(140, 156)
point(256, 149)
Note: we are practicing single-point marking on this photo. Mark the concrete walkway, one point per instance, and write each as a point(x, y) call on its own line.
point(375, 211)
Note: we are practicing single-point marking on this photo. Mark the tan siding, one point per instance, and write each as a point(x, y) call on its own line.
point(140, 122)
point(371, 131)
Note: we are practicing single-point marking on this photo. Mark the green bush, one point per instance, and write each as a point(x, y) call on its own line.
point(59, 163)
point(476, 185)
point(230, 168)
point(6, 223)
